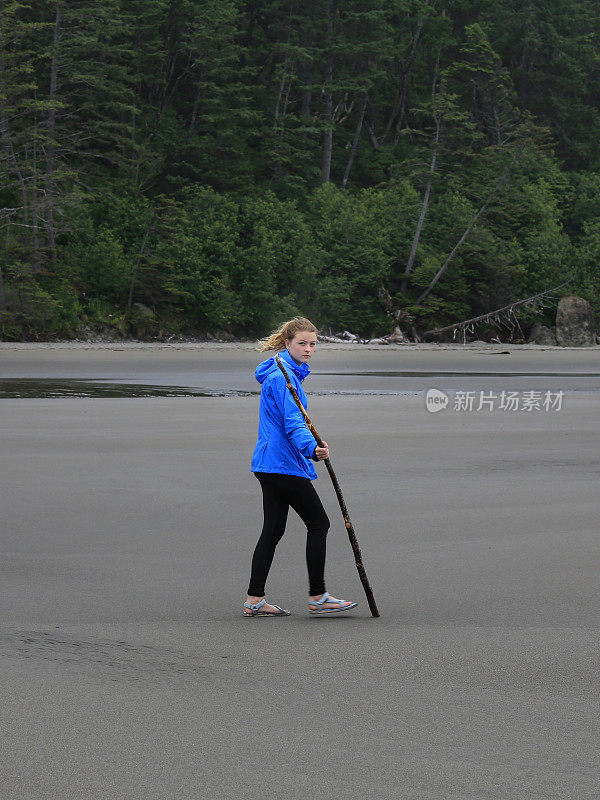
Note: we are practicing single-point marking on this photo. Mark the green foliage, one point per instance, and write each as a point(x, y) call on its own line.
point(204, 165)
point(32, 309)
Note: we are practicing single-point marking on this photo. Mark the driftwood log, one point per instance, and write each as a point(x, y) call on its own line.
point(500, 315)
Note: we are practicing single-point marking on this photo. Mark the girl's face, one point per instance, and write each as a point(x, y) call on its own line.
point(302, 346)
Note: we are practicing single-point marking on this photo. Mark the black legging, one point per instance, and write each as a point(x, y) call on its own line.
point(279, 493)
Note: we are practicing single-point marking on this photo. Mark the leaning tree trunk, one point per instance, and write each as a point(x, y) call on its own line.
point(328, 100)
point(469, 229)
point(413, 251)
point(196, 107)
point(399, 315)
point(51, 147)
point(2, 293)
point(306, 76)
point(137, 266)
point(398, 112)
point(436, 144)
point(36, 259)
point(306, 70)
point(354, 147)
point(8, 147)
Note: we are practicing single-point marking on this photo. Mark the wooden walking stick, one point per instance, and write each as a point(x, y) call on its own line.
point(351, 535)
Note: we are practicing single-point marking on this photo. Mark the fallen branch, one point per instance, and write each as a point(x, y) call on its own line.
point(535, 302)
point(137, 266)
point(469, 228)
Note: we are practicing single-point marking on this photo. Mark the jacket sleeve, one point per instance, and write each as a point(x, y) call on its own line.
point(295, 426)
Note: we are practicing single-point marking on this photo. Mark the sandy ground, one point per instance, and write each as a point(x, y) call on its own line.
point(335, 367)
point(128, 526)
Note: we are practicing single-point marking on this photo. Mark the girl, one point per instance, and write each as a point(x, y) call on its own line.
point(282, 463)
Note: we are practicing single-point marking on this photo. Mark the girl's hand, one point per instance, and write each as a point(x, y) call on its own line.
point(322, 452)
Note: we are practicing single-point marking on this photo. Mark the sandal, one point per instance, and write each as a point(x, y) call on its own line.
point(255, 612)
point(327, 598)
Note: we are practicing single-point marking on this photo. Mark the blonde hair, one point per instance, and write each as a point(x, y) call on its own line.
point(276, 340)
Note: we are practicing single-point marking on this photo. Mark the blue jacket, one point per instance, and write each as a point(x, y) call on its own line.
point(285, 445)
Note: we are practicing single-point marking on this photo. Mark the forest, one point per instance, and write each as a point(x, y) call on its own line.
point(177, 167)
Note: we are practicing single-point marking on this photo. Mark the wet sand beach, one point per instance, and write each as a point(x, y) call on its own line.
point(128, 524)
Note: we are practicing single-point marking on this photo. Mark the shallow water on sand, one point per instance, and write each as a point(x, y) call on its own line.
point(74, 387)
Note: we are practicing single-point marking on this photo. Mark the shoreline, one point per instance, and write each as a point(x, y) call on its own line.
point(252, 345)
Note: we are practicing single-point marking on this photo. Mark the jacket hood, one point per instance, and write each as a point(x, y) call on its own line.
point(265, 368)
